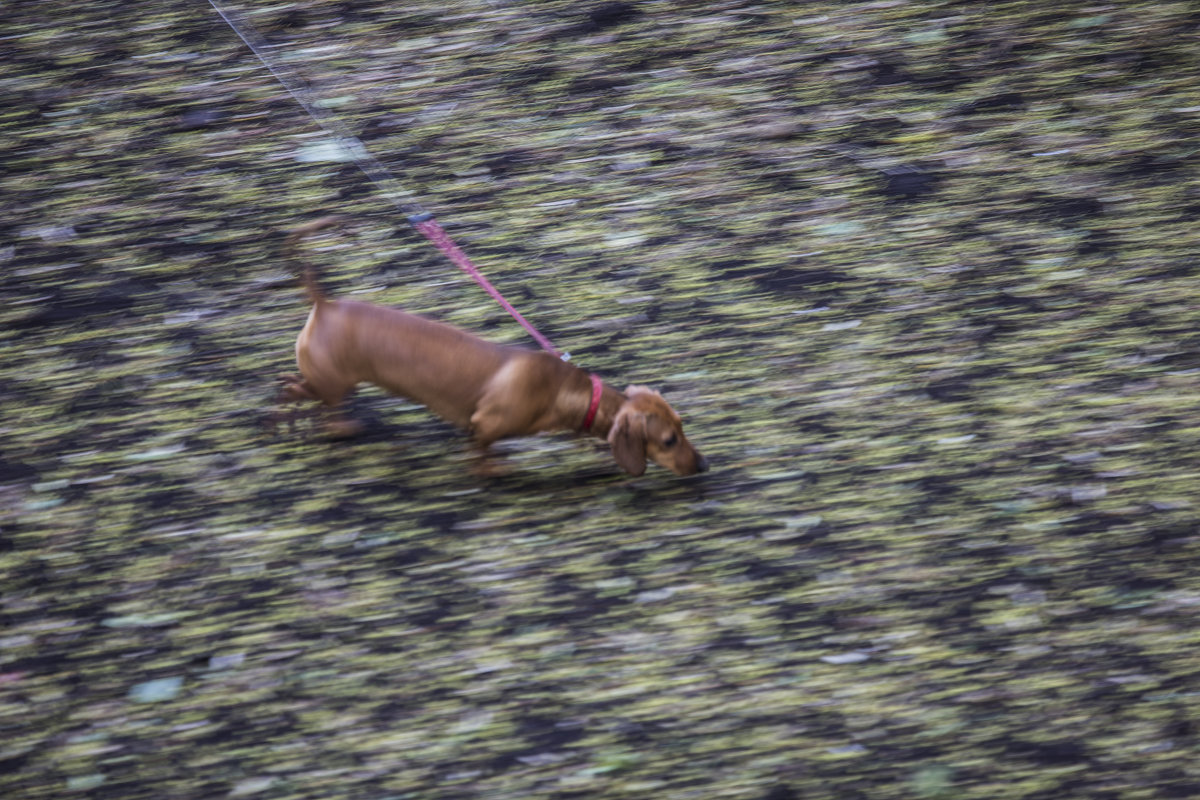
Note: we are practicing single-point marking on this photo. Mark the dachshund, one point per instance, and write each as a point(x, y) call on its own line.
point(494, 391)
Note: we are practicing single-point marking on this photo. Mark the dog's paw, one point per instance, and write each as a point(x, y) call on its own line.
point(343, 428)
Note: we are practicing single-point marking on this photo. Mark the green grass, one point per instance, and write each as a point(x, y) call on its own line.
point(947, 547)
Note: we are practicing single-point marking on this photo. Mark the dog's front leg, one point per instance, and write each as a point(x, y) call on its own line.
point(483, 460)
point(339, 426)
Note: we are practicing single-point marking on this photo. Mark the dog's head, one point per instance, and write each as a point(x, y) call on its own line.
point(646, 427)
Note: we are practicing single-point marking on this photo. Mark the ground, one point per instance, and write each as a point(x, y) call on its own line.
point(919, 277)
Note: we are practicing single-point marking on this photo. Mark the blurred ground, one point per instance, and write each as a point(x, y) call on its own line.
point(919, 276)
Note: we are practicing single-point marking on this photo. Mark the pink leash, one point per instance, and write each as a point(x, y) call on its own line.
point(434, 232)
point(387, 183)
point(429, 226)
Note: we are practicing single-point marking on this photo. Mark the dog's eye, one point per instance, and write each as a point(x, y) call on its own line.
point(670, 440)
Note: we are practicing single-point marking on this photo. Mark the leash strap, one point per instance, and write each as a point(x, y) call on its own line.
point(371, 166)
point(378, 174)
point(429, 226)
point(597, 388)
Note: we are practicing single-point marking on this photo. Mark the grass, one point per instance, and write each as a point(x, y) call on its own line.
point(918, 276)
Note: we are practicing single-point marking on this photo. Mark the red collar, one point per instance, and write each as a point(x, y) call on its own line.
point(597, 387)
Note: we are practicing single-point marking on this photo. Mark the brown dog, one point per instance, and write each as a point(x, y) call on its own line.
point(495, 391)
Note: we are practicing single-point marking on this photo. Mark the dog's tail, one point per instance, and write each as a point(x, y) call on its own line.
point(309, 273)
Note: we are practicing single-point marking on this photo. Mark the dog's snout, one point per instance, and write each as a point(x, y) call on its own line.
point(701, 463)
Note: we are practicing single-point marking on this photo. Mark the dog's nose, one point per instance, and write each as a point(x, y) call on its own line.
point(701, 463)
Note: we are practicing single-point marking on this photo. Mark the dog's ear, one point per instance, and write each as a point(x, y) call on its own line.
point(628, 441)
point(632, 390)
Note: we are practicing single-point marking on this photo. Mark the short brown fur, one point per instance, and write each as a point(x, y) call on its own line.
point(495, 391)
